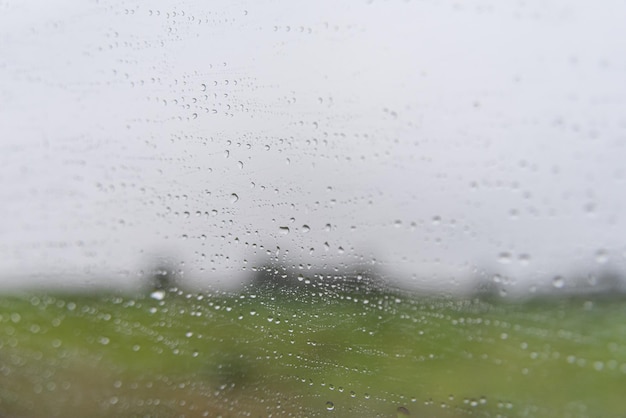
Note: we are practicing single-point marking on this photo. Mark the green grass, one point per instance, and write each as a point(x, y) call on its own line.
point(302, 354)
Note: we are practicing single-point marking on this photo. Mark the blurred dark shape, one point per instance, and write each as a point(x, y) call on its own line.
point(271, 276)
point(403, 412)
point(488, 287)
point(487, 291)
point(607, 283)
point(230, 368)
point(163, 277)
point(352, 280)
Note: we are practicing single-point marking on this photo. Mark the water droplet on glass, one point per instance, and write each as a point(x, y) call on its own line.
point(504, 258)
point(240, 164)
point(330, 406)
point(524, 259)
point(558, 282)
point(284, 230)
point(305, 228)
point(158, 295)
point(602, 256)
point(234, 198)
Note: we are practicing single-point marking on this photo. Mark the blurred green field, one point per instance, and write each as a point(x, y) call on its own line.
point(269, 353)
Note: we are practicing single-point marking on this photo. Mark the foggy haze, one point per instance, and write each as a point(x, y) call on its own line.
point(434, 140)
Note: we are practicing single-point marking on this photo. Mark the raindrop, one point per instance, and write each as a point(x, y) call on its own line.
point(558, 282)
point(330, 406)
point(504, 258)
point(284, 230)
point(158, 295)
point(234, 198)
point(602, 256)
point(524, 259)
point(305, 228)
point(240, 164)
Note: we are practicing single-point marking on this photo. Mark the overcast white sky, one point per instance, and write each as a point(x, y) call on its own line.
point(433, 137)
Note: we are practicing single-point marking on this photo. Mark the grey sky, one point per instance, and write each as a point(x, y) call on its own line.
point(434, 137)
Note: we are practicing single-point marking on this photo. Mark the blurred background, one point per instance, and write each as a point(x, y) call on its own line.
point(437, 143)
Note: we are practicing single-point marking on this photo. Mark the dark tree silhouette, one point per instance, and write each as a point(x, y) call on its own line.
point(163, 277)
